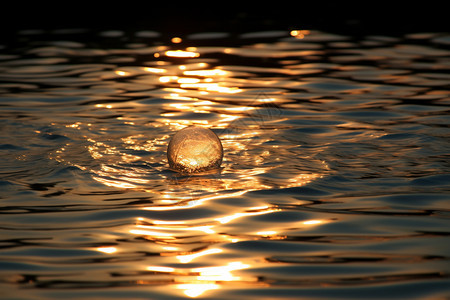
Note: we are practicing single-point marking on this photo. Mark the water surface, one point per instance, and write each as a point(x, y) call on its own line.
point(334, 184)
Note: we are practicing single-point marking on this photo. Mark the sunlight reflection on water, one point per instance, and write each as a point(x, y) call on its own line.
point(320, 193)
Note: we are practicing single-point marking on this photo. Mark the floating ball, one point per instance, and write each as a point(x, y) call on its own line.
point(194, 149)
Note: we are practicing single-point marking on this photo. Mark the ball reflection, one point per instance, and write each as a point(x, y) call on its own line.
point(194, 149)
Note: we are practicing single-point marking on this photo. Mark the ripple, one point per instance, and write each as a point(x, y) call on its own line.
point(335, 169)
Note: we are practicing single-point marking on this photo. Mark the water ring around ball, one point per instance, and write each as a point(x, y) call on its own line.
point(194, 149)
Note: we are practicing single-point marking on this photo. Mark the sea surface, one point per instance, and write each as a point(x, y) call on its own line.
point(335, 182)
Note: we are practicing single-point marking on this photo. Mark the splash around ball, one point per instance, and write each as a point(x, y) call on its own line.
point(194, 149)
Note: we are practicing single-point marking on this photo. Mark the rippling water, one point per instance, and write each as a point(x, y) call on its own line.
point(334, 184)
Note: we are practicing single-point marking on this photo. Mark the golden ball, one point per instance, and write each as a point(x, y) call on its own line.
point(194, 149)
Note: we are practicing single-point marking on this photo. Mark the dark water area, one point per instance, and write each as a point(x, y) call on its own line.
point(351, 18)
point(334, 182)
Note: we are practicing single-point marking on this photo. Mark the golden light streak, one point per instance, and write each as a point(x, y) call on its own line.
point(206, 73)
point(114, 183)
point(313, 222)
point(222, 273)
point(169, 207)
point(150, 232)
point(227, 219)
point(301, 180)
point(188, 80)
point(176, 90)
point(155, 70)
point(121, 73)
point(194, 290)
point(108, 250)
point(225, 121)
point(181, 53)
point(208, 276)
point(175, 96)
point(178, 226)
point(74, 125)
point(184, 259)
point(170, 248)
point(161, 222)
point(165, 79)
point(211, 87)
point(265, 100)
point(266, 233)
point(198, 106)
point(102, 105)
point(160, 269)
